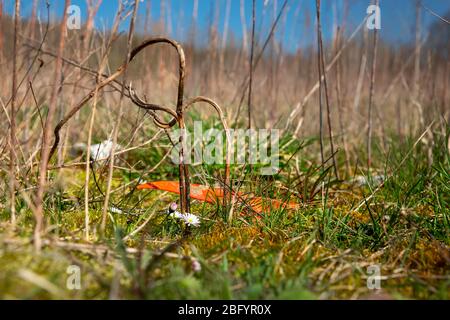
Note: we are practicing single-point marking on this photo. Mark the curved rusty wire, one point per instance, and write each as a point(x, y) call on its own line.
point(212, 103)
point(177, 115)
point(184, 170)
point(108, 79)
point(181, 67)
point(153, 107)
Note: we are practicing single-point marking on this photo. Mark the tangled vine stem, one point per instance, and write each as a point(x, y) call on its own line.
point(109, 79)
point(227, 180)
point(184, 173)
point(177, 114)
point(153, 107)
point(165, 125)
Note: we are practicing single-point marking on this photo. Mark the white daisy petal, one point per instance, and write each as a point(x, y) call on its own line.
point(191, 219)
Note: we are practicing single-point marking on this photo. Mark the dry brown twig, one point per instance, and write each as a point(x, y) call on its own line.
point(330, 65)
point(371, 96)
point(103, 64)
point(12, 139)
point(246, 82)
point(252, 50)
point(45, 154)
point(340, 107)
point(323, 77)
point(118, 121)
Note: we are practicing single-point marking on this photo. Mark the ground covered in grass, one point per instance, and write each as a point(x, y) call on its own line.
point(394, 219)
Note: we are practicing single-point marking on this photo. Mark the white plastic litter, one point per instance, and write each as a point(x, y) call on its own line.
point(99, 151)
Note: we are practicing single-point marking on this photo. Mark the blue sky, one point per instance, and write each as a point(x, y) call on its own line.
point(397, 16)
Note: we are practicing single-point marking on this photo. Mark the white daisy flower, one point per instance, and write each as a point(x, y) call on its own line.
point(191, 219)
